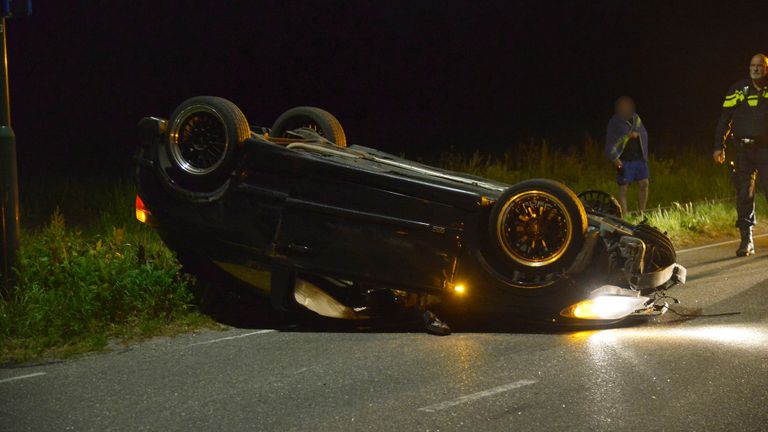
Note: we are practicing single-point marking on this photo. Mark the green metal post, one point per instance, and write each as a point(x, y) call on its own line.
point(9, 181)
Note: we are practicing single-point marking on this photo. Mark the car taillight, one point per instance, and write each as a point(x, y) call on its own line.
point(142, 213)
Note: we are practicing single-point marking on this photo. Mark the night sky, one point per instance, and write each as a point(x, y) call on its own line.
point(413, 76)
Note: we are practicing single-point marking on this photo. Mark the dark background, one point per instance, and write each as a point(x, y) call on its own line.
point(416, 76)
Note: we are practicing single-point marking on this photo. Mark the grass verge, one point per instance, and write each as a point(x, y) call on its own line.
point(696, 223)
point(79, 289)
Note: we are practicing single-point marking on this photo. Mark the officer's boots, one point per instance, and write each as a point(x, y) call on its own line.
point(747, 246)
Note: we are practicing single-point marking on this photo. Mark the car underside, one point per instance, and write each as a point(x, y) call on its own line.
point(351, 232)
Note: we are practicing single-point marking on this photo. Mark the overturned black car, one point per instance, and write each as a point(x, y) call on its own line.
point(309, 221)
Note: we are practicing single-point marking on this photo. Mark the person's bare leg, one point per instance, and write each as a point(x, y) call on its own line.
point(623, 198)
point(643, 194)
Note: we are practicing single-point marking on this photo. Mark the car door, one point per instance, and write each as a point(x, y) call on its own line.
point(338, 225)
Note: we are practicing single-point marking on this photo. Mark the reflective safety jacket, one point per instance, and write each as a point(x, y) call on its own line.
point(744, 114)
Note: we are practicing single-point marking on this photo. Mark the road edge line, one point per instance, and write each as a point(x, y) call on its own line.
point(20, 377)
point(233, 337)
point(698, 248)
point(475, 396)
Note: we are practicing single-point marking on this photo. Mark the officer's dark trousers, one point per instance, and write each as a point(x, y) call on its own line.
point(748, 163)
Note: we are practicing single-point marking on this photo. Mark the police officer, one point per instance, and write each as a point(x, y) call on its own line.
point(743, 128)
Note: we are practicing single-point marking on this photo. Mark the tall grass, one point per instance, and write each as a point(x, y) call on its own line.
point(691, 198)
point(101, 276)
point(684, 176)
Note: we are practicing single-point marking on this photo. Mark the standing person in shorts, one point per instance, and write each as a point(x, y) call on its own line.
point(626, 146)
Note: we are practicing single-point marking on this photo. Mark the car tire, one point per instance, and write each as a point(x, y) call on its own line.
point(319, 120)
point(660, 251)
point(536, 227)
point(204, 135)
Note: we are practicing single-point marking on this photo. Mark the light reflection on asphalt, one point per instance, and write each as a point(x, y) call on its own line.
point(748, 336)
point(603, 381)
point(610, 353)
point(463, 354)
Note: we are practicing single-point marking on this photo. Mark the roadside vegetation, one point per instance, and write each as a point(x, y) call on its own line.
point(691, 198)
point(98, 278)
point(683, 176)
point(90, 274)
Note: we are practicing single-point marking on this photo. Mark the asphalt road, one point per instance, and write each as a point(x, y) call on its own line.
point(671, 374)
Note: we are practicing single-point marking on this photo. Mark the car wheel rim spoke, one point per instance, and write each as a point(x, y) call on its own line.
point(198, 139)
point(534, 228)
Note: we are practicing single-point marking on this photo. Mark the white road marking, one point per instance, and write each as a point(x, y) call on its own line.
point(233, 337)
point(22, 377)
point(475, 396)
point(715, 245)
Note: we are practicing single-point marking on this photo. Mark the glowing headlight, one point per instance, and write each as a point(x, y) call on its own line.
point(604, 307)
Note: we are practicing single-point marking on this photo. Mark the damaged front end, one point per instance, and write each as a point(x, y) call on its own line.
point(641, 266)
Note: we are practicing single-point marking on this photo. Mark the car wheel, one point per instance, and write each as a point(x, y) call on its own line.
point(660, 252)
point(320, 121)
point(536, 227)
point(204, 134)
point(597, 201)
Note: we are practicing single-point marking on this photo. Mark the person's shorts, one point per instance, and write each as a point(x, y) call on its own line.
point(632, 171)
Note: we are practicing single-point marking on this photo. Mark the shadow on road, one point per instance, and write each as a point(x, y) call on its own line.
point(239, 307)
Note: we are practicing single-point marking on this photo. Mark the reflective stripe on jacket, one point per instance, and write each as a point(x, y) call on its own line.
point(744, 113)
